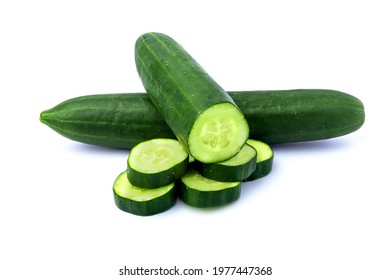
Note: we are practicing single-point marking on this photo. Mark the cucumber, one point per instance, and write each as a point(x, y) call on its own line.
point(301, 115)
point(156, 163)
point(198, 191)
point(108, 120)
point(140, 201)
point(264, 159)
point(200, 113)
point(283, 116)
point(237, 168)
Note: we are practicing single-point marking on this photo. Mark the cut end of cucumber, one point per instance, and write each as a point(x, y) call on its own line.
point(218, 134)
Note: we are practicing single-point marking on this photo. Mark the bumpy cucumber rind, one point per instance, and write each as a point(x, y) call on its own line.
point(281, 116)
point(110, 120)
point(286, 116)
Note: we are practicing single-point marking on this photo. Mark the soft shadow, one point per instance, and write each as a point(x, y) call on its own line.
point(250, 188)
point(87, 148)
point(327, 144)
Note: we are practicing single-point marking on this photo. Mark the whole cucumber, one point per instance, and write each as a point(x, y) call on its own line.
point(280, 116)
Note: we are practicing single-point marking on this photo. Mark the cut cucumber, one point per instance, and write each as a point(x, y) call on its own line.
point(140, 201)
point(200, 113)
point(237, 168)
point(198, 191)
point(264, 161)
point(156, 163)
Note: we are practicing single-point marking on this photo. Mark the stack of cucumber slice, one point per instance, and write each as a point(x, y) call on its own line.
point(217, 184)
point(148, 185)
point(160, 170)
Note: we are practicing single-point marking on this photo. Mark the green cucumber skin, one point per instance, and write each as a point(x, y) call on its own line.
point(225, 173)
point(300, 115)
point(149, 208)
point(177, 85)
point(263, 168)
point(278, 116)
point(109, 120)
point(156, 180)
point(207, 199)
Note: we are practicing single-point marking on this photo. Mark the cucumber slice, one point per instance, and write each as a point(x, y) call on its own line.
point(264, 161)
point(198, 191)
point(156, 163)
point(237, 168)
point(142, 202)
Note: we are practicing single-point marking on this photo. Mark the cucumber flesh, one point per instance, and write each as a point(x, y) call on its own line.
point(238, 168)
point(264, 160)
point(140, 201)
point(218, 133)
point(157, 162)
point(198, 191)
point(246, 154)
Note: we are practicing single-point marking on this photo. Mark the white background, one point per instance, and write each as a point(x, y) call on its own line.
point(323, 213)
